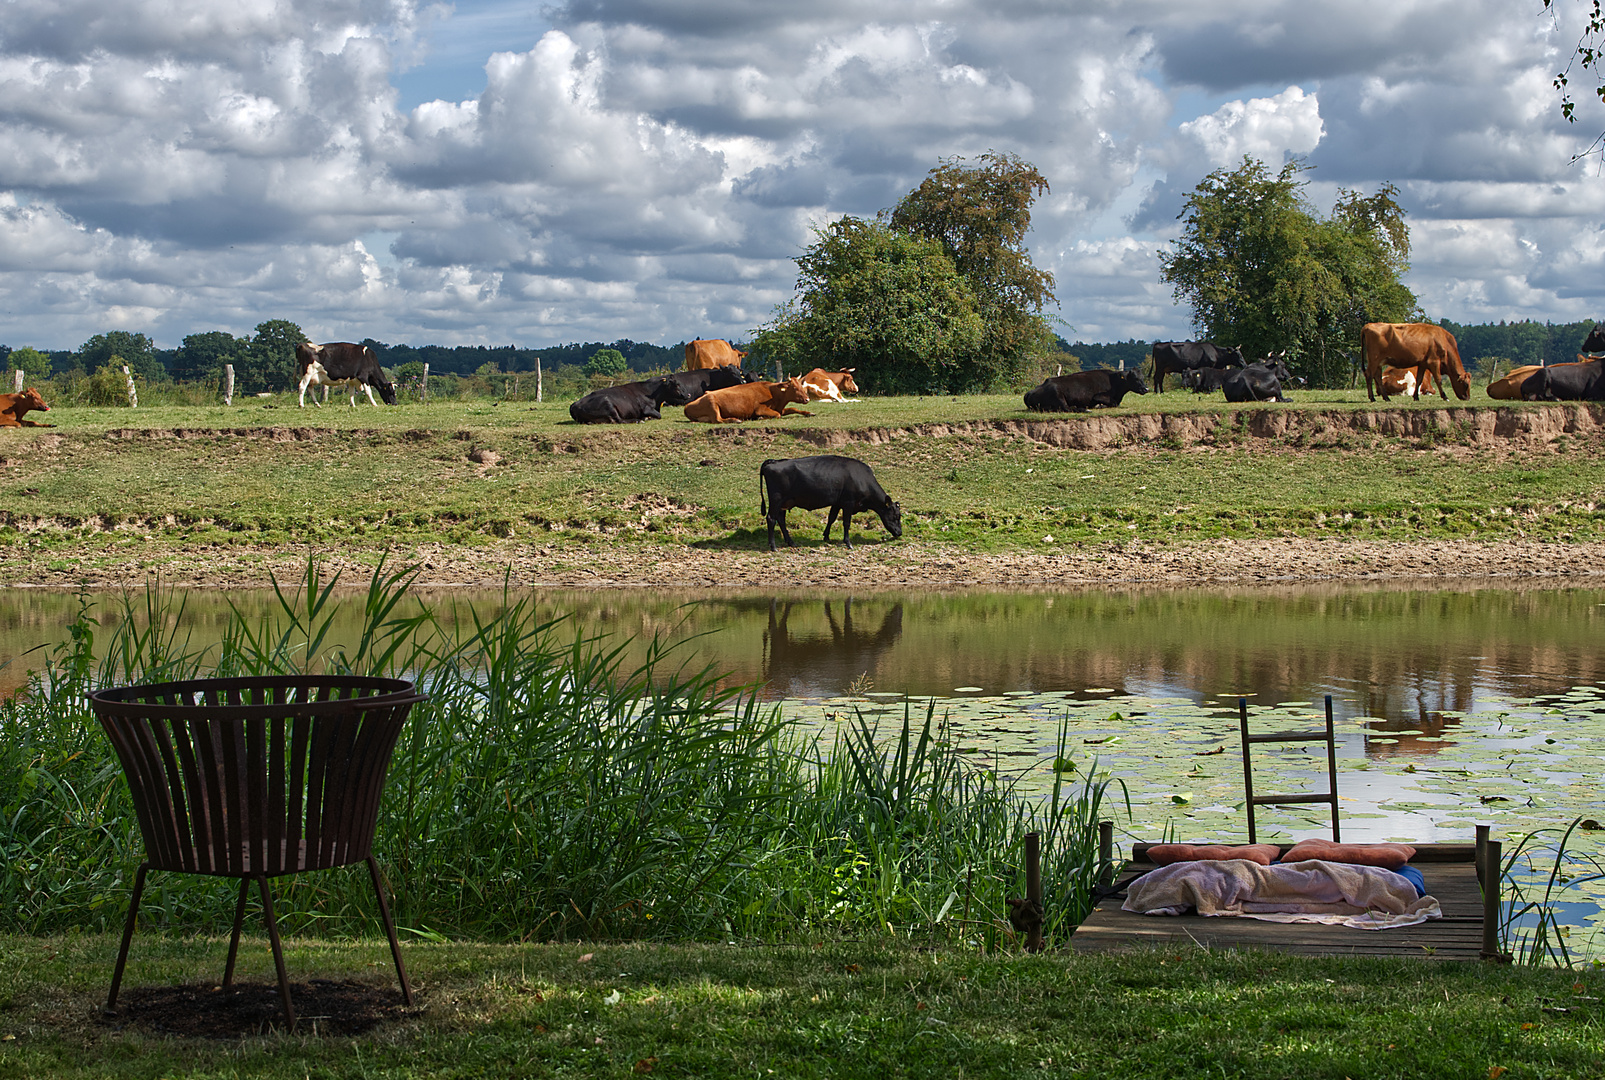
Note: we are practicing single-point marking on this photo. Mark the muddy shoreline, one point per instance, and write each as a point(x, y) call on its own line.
point(874, 564)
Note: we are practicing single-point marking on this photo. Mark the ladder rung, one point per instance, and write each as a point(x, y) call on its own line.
point(1277, 800)
point(1289, 736)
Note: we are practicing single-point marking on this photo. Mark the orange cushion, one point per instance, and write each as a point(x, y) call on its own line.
point(1165, 854)
point(1387, 856)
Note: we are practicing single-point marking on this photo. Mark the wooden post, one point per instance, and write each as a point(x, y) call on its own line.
point(16, 381)
point(1248, 772)
point(1033, 888)
point(780, 372)
point(1482, 849)
point(538, 395)
point(228, 384)
point(1490, 902)
point(133, 396)
point(1106, 853)
point(426, 382)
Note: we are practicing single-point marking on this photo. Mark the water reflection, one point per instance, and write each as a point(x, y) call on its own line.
point(814, 662)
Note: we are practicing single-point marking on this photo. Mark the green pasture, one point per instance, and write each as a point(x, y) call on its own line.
point(869, 1009)
point(106, 482)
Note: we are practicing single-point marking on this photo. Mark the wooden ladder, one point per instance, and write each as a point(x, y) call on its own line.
point(1330, 796)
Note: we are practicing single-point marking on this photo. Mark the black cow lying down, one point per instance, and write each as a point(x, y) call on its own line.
point(628, 403)
point(696, 383)
point(1566, 382)
point(844, 484)
point(1257, 382)
point(1081, 390)
point(1203, 380)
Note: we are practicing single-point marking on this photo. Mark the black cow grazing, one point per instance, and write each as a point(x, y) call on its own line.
point(1179, 356)
point(844, 484)
point(1203, 380)
point(1260, 381)
point(1081, 390)
point(696, 383)
point(628, 403)
point(342, 363)
point(1594, 343)
point(1566, 382)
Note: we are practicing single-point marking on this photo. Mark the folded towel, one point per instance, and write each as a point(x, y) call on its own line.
point(1366, 897)
point(1165, 854)
point(1388, 856)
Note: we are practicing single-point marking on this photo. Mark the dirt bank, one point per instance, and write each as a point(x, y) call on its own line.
point(873, 564)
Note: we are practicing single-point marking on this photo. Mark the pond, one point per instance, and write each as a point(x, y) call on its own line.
point(1454, 705)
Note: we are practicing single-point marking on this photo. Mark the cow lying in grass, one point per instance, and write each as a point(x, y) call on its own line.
point(13, 407)
point(753, 401)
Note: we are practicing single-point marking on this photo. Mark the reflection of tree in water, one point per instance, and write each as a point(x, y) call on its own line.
point(1428, 723)
point(824, 661)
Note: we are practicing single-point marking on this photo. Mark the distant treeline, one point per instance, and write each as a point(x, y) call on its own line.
point(1481, 344)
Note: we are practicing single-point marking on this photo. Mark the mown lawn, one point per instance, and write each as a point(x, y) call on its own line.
point(844, 1009)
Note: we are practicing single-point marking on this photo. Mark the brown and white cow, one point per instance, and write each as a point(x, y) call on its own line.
point(342, 363)
point(825, 385)
point(13, 407)
point(751, 401)
point(711, 353)
point(1426, 347)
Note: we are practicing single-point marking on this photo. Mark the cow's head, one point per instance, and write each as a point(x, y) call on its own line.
point(29, 399)
point(792, 390)
point(848, 386)
point(1133, 383)
point(1595, 341)
point(891, 516)
point(667, 391)
point(1229, 356)
point(1462, 384)
point(1038, 397)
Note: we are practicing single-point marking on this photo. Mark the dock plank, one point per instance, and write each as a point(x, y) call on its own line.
point(1451, 877)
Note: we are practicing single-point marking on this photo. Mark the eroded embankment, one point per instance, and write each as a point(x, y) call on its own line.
point(1485, 427)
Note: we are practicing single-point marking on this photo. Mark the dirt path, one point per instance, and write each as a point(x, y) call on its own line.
point(872, 564)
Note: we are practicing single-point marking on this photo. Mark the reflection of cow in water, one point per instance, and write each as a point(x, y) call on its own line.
point(824, 663)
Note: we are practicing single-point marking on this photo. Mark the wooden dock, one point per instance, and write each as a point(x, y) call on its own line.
point(1451, 876)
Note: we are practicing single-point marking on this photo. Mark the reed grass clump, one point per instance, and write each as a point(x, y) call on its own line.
point(549, 789)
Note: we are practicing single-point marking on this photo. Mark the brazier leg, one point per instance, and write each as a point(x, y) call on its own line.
point(128, 935)
point(234, 940)
point(390, 929)
point(278, 950)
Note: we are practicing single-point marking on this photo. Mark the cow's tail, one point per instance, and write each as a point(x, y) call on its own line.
point(763, 510)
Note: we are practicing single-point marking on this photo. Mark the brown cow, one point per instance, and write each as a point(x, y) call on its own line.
point(13, 407)
point(1427, 348)
point(751, 401)
point(1401, 381)
point(825, 385)
point(711, 353)
point(1508, 388)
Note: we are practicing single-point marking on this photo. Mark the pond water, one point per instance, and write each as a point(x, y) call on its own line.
point(1454, 705)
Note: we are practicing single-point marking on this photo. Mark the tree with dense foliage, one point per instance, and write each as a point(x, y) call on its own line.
point(1263, 270)
point(202, 356)
point(980, 214)
point(135, 350)
point(30, 361)
point(268, 364)
point(884, 302)
point(606, 362)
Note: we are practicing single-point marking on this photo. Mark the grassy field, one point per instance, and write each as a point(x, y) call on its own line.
point(866, 1009)
point(109, 481)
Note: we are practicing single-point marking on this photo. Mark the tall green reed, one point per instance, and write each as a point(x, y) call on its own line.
point(548, 788)
point(1529, 924)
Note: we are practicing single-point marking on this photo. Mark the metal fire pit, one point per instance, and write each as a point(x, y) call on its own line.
point(256, 778)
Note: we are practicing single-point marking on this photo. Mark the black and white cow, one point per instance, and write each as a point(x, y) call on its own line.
point(1260, 381)
point(844, 484)
point(628, 403)
point(1180, 356)
point(1081, 390)
point(345, 364)
point(1566, 382)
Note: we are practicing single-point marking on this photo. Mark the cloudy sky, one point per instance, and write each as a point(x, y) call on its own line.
point(496, 171)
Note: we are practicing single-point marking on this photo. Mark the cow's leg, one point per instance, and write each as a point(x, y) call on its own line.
point(305, 381)
point(369, 389)
point(831, 520)
point(847, 528)
point(785, 532)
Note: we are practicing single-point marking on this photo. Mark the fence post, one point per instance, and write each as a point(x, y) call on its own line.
point(1490, 902)
point(537, 379)
point(1033, 889)
point(16, 381)
point(1106, 852)
point(426, 381)
point(133, 397)
point(228, 384)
